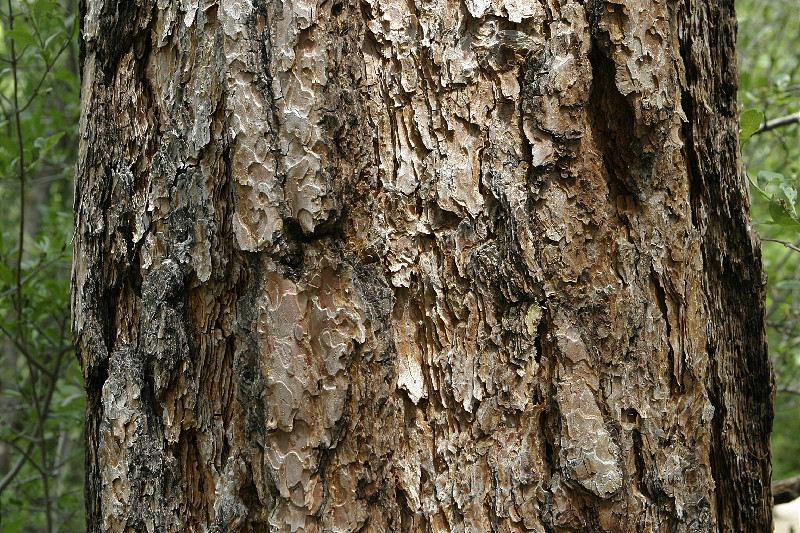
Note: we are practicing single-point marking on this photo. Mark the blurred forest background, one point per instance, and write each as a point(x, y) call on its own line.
point(41, 395)
point(769, 76)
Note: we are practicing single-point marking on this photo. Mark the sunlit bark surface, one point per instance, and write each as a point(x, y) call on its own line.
point(386, 265)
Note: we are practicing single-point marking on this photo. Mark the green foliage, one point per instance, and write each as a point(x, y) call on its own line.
point(769, 69)
point(41, 397)
point(781, 198)
point(750, 123)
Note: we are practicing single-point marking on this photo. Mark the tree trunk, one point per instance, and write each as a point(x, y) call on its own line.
point(438, 266)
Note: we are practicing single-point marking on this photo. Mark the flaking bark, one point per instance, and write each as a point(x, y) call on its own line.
point(436, 266)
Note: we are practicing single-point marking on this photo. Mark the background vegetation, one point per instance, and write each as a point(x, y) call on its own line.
point(769, 70)
point(41, 397)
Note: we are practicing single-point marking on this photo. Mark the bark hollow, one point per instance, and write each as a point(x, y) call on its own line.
point(381, 265)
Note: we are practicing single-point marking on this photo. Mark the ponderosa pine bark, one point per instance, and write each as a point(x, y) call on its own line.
point(382, 266)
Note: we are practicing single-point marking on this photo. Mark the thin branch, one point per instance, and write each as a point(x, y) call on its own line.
point(26, 453)
point(786, 244)
point(4, 97)
point(786, 491)
point(789, 391)
point(47, 69)
point(44, 179)
point(45, 336)
point(25, 481)
point(29, 358)
point(28, 438)
point(35, 271)
point(769, 125)
point(21, 147)
point(8, 478)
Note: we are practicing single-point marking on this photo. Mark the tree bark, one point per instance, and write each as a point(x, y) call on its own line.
point(436, 266)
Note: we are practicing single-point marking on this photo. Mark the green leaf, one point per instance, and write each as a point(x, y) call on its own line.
point(43, 8)
point(50, 39)
point(782, 79)
point(45, 145)
point(755, 185)
point(782, 216)
point(65, 75)
point(765, 177)
point(69, 22)
point(7, 276)
point(14, 523)
point(21, 36)
point(788, 189)
point(789, 284)
point(749, 124)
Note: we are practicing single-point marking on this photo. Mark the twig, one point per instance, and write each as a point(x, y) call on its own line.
point(33, 273)
point(29, 358)
point(786, 490)
point(769, 125)
point(21, 147)
point(786, 244)
point(8, 478)
point(47, 69)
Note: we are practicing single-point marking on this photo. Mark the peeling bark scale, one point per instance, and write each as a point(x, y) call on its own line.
point(418, 266)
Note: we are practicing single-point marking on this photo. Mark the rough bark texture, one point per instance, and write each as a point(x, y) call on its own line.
point(385, 265)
